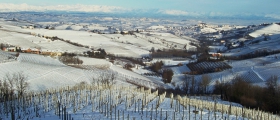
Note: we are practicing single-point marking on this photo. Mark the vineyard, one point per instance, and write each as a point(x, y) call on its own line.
point(92, 102)
point(120, 100)
point(45, 72)
point(207, 67)
point(5, 57)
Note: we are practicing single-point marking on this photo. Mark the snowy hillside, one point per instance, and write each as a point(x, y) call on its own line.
point(45, 72)
point(268, 30)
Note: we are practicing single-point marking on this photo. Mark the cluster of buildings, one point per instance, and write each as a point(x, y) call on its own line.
point(32, 51)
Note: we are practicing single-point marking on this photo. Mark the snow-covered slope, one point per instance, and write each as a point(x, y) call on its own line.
point(268, 30)
point(45, 72)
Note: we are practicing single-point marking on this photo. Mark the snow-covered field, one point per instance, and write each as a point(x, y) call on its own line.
point(137, 45)
point(45, 72)
point(129, 103)
point(268, 30)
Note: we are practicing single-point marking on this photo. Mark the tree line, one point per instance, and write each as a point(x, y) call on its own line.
point(166, 74)
point(266, 98)
point(70, 58)
point(100, 53)
point(192, 86)
point(13, 86)
point(170, 53)
point(259, 53)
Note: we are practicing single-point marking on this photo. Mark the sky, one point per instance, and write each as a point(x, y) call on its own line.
point(263, 7)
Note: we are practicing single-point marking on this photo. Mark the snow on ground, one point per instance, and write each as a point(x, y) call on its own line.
point(121, 45)
point(82, 37)
point(272, 44)
point(29, 41)
point(94, 61)
point(171, 62)
point(225, 28)
point(255, 71)
point(139, 45)
point(62, 27)
point(127, 103)
point(46, 72)
point(180, 69)
point(269, 30)
point(14, 39)
point(170, 37)
point(96, 27)
point(141, 70)
point(208, 30)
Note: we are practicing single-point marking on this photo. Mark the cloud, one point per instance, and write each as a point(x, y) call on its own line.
point(7, 7)
point(174, 12)
point(179, 12)
point(274, 16)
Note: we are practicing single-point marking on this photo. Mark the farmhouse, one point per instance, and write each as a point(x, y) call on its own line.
point(50, 53)
point(31, 50)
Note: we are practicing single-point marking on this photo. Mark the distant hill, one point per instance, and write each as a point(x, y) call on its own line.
point(268, 30)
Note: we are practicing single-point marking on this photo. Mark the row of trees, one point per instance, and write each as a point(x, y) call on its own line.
point(70, 59)
point(99, 53)
point(132, 60)
point(156, 66)
point(259, 53)
point(170, 53)
point(12, 84)
point(266, 98)
point(192, 86)
point(167, 74)
point(106, 77)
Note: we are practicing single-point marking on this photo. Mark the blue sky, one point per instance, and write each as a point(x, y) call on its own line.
point(224, 6)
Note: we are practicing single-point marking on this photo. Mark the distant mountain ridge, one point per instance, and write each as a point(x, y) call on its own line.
point(7, 7)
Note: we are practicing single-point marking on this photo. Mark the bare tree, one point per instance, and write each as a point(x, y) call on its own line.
point(107, 78)
point(186, 83)
point(1, 90)
point(271, 83)
point(167, 75)
point(8, 88)
point(9, 83)
point(193, 85)
point(16, 82)
point(205, 80)
point(21, 83)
